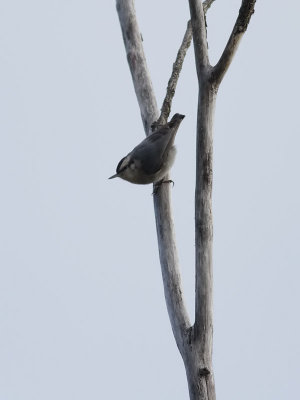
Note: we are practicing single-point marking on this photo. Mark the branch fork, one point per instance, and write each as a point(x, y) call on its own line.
point(194, 341)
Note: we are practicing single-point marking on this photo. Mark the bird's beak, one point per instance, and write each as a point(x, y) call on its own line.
point(113, 176)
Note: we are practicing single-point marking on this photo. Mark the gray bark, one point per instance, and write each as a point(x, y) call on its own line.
point(194, 342)
point(137, 63)
point(162, 205)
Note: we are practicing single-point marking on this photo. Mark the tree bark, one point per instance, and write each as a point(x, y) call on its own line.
point(162, 205)
point(203, 327)
point(137, 63)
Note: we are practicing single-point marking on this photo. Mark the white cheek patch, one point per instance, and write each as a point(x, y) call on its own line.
point(132, 166)
point(124, 163)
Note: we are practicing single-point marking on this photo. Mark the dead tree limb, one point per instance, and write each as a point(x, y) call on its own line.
point(137, 63)
point(162, 207)
point(209, 78)
point(177, 66)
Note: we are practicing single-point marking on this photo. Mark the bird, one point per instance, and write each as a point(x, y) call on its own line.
point(151, 160)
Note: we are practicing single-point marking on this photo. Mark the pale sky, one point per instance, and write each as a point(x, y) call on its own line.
point(82, 310)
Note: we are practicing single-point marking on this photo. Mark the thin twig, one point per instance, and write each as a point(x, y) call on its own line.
point(177, 66)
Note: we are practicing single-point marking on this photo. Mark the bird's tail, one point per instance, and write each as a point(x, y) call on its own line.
point(176, 120)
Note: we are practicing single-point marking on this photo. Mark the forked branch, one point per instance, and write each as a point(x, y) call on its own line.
point(147, 102)
point(194, 343)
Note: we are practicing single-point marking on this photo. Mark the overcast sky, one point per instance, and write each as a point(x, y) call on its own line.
point(82, 310)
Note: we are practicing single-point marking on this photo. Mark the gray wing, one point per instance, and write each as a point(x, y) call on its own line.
point(152, 150)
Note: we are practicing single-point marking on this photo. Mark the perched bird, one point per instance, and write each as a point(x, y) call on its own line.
point(151, 160)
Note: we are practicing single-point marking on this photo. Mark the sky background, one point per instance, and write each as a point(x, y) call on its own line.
point(82, 310)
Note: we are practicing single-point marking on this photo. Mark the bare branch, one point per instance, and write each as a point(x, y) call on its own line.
point(199, 36)
point(177, 66)
point(240, 27)
point(137, 63)
point(163, 213)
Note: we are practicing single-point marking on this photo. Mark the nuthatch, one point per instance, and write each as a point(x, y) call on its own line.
point(151, 160)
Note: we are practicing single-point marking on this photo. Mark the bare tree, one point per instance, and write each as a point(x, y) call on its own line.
point(194, 341)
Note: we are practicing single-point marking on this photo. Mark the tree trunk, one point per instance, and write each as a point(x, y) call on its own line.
point(198, 351)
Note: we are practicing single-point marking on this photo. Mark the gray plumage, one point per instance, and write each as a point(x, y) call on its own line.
point(151, 160)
